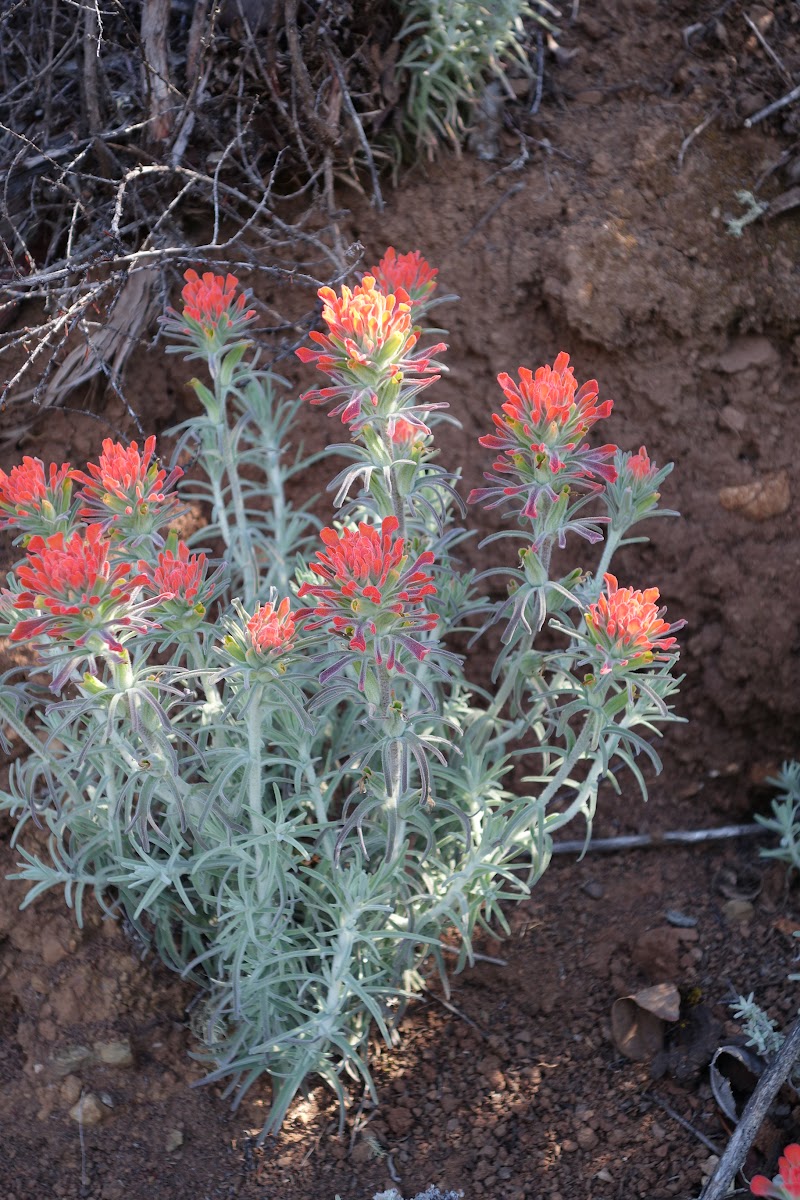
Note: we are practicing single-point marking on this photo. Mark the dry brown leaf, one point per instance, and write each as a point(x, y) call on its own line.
point(637, 1022)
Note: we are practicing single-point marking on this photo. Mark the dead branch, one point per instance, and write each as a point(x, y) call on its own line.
point(755, 1110)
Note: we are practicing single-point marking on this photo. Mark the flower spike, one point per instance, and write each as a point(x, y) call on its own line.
point(75, 591)
point(35, 501)
point(409, 273)
point(369, 355)
point(370, 593)
point(626, 628)
point(127, 492)
point(538, 438)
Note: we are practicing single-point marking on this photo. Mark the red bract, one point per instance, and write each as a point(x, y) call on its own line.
point(178, 580)
point(369, 345)
point(639, 464)
point(404, 433)
point(544, 418)
point(271, 629)
point(786, 1184)
point(369, 591)
point(74, 588)
point(410, 273)
point(33, 498)
point(211, 301)
point(626, 626)
point(127, 489)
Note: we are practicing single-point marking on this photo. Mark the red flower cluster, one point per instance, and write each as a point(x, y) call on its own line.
point(369, 345)
point(178, 581)
point(211, 301)
point(74, 589)
point(409, 273)
point(180, 575)
point(627, 628)
point(537, 437)
point(271, 629)
point(369, 591)
point(33, 498)
point(127, 489)
point(786, 1184)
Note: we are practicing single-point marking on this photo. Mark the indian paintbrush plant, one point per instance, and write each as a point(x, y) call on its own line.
point(276, 766)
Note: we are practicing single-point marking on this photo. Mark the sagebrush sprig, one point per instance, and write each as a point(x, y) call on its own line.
point(260, 743)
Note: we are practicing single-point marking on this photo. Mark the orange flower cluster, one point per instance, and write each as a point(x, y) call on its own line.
point(627, 627)
point(211, 301)
point(127, 488)
point(409, 273)
point(73, 588)
point(31, 496)
point(538, 437)
point(369, 590)
point(369, 351)
point(271, 629)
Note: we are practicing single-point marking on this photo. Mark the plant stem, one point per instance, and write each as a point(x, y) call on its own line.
point(239, 544)
point(609, 550)
point(394, 784)
point(255, 799)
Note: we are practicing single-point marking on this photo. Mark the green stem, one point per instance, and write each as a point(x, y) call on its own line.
point(278, 497)
point(255, 798)
point(568, 764)
point(240, 544)
point(393, 785)
point(609, 549)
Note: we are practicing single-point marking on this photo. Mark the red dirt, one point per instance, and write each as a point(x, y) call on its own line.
point(603, 245)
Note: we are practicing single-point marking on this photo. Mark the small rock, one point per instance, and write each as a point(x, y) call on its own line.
point(680, 920)
point(400, 1120)
point(89, 1110)
point(605, 1175)
point(733, 419)
point(591, 96)
point(69, 1060)
point(737, 911)
point(656, 953)
point(71, 1089)
point(593, 889)
point(52, 949)
point(747, 352)
point(568, 1146)
point(586, 1138)
point(766, 497)
point(115, 1053)
point(360, 1154)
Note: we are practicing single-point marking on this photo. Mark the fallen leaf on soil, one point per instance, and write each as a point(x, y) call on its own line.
point(766, 497)
point(734, 1071)
point(637, 1022)
point(788, 926)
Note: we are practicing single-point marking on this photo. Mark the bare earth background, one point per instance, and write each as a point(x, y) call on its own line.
point(600, 232)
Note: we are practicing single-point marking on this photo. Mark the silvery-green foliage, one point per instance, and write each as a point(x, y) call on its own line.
point(449, 49)
point(785, 819)
point(762, 1032)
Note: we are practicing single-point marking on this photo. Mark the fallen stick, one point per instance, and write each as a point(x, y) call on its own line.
point(756, 1108)
point(636, 841)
